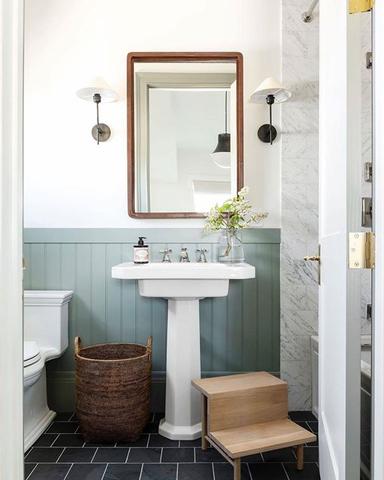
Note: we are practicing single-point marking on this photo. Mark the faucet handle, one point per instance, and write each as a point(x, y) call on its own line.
point(184, 255)
point(166, 255)
point(202, 258)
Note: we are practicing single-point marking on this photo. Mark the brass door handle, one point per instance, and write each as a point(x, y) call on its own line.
point(315, 258)
point(312, 258)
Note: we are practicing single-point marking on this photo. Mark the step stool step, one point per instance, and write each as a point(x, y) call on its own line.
point(261, 437)
point(233, 383)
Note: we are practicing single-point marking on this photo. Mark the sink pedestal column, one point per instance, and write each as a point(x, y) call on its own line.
point(182, 405)
point(183, 284)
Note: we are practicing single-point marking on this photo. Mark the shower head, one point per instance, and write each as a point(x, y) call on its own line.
point(307, 16)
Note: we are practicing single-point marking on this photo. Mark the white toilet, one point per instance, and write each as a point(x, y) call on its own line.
point(45, 338)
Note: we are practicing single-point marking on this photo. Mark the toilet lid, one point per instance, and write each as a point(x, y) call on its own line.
point(31, 353)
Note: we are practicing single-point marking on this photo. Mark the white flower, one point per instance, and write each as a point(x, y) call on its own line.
point(234, 214)
point(244, 191)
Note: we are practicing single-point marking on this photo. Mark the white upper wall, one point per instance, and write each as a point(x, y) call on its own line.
point(70, 182)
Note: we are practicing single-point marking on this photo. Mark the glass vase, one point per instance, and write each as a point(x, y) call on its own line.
point(230, 248)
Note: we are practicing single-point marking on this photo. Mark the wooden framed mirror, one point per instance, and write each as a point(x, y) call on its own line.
point(185, 132)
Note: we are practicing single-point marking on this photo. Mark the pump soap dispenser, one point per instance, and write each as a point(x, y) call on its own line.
point(140, 252)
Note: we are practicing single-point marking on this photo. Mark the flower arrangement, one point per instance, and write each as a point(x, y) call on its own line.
point(233, 215)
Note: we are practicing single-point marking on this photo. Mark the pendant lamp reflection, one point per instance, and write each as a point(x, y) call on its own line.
point(221, 156)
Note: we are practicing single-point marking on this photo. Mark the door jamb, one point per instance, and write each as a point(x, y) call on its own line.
point(11, 239)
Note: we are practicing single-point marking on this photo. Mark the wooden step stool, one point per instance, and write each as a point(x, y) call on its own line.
point(247, 414)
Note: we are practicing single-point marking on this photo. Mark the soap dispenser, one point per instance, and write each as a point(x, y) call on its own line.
point(140, 252)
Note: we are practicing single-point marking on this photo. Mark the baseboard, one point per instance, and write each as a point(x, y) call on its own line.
point(61, 389)
point(31, 437)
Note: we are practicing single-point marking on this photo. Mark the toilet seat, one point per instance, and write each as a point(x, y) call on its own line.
point(31, 353)
point(33, 363)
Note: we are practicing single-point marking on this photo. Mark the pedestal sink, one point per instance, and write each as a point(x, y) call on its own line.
point(183, 284)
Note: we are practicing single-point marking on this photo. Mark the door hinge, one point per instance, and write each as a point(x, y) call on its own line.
point(359, 6)
point(362, 250)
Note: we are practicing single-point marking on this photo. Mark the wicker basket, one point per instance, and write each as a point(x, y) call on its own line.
point(113, 389)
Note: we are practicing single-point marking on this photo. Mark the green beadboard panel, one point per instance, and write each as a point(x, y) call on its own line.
point(238, 333)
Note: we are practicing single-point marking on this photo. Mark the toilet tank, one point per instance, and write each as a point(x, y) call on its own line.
point(46, 320)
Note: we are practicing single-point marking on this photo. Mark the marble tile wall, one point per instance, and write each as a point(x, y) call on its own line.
point(299, 288)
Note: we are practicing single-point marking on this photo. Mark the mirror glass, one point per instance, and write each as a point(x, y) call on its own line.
point(185, 155)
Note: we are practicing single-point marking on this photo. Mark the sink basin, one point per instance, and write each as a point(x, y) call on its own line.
point(183, 284)
point(184, 271)
point(199, 280)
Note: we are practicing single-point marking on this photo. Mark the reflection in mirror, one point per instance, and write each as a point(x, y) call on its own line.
point(185, 155)
point(183, 127)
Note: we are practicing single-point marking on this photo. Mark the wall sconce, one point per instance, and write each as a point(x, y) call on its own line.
point(97, 91)
point(269, 91)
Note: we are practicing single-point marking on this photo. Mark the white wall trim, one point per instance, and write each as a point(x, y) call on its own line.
point(11, 215)
point(378, 285)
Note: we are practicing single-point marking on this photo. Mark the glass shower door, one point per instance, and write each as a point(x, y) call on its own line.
point(364, 23)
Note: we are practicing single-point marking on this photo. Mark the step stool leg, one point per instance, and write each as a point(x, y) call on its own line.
point(300, 457)
point(204, 442)
point(237, 469)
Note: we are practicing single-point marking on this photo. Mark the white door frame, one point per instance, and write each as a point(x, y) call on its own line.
point(378, 223)
point(11, 239)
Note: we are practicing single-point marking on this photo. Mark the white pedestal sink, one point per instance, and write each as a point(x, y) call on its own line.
point(183, 284)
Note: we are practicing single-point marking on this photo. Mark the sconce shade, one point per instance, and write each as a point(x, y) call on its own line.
point(270, 86)
point(100, 86)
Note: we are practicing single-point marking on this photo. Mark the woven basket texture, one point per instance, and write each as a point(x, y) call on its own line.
point(113, 390)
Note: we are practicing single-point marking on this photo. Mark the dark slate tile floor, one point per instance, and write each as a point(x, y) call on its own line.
point(61, 454)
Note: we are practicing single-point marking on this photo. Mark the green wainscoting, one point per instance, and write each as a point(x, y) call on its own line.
point(238, 333)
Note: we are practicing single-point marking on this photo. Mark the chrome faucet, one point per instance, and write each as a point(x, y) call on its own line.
point(201, 255)
point(184, 255)
point(166, 255)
